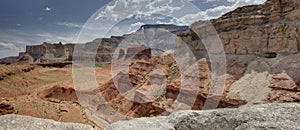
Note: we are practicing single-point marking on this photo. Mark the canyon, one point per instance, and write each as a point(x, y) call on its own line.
point(261, 53)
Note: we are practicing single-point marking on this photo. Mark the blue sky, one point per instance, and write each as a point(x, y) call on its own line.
point(31, 22)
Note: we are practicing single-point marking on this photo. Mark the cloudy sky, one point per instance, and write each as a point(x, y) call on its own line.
point(31, 22)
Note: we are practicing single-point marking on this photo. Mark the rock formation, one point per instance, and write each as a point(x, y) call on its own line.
point(6, 107)
point(268, 116)
point(152, 86)
point(268, 29)
point(249, 80)
point(59, 93)
point(49, 52)
point(138, 52)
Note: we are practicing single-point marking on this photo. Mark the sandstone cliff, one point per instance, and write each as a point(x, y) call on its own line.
point(268, 29)
point(50, 52)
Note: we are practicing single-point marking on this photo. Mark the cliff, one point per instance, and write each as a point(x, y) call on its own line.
point(50, 52)
point(270, 28)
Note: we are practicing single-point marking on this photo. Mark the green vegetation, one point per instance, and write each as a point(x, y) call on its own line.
point(95, 65)
point(100, 65)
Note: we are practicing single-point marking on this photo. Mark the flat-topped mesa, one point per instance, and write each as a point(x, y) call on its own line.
point(47, 52)
point(50, 52)
point(268, 29)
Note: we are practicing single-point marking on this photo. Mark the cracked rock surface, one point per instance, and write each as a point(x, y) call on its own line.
point(258, 117)
point(17, 122)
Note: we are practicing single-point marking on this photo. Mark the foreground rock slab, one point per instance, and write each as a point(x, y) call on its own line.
point(259, 117)
point(17, 122)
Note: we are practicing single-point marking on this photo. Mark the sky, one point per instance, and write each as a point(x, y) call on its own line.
point(32, 22)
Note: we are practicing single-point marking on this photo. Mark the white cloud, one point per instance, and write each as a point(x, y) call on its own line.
point(141, 8)
point(144, 9)
point(8, 49)
point(104, 22)
point(210, 1)
point(47, 9)
point(180, 12)
point(136, 25)
point(9, 46)
point(238, 3)
point(69, 24)
point(217, 11)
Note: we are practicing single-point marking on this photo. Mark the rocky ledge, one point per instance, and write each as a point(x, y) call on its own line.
point(258, 117)
point(17, 122)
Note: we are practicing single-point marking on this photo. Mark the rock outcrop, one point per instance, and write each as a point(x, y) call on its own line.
point(151, 87)
point(266, 30)
point(267, 116)
point(157, 82)
point(138, 52)
point(265, 80)
point(17, 122)
point(59, 93)
point(6, 107)
point(50, 52)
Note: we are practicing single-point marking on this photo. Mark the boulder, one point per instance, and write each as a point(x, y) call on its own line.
point(258, 117)
point(18, 122)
